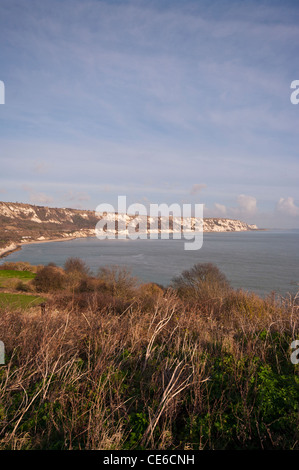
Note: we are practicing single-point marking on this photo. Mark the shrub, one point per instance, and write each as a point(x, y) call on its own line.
point(76, 265)
point(88, 284)
point(22, 286)
point(18, 266)
point(149, 293)
point(49, 278)
point(151, 289)
point(118, 281)
point(96, 302)
point(76, 271)
point(201, 282)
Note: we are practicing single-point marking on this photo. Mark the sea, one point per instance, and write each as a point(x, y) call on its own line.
point(263, 261)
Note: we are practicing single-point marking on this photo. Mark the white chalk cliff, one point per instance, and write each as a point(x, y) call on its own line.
point(23, 223)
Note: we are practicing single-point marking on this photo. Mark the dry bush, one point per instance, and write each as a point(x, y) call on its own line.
point(204, 281)
point(19, 266)
point(100, 371)
point(86, 301)
point(49, 278)
point(76, 265)
point(118, 281)
point(148, 294)
point(76, 271)
point(22, 286)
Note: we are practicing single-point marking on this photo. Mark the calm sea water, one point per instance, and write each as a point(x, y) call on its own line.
point(262, 261)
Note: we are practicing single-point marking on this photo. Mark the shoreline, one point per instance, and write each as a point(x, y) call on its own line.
point(17, 246)
point(6, 251)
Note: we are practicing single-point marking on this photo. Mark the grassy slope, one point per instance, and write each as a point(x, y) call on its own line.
point(16, 301)
point(10, 280)
point(10, 273)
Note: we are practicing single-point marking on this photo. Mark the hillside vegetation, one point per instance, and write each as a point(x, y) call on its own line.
point(110, 363)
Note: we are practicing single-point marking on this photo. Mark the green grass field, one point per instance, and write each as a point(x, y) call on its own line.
point(19, 300)
point(9, 278)
point(9, 273)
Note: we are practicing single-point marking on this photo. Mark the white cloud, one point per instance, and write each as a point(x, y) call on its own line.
point(247, 207)
point(287, 206)
point(247, 204)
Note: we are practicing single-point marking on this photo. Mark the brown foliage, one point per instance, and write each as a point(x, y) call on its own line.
point(48, 279)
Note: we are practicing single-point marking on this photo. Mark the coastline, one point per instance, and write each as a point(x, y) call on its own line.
point(8, 250)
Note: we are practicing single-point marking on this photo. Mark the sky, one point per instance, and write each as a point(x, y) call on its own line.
point(163, 101)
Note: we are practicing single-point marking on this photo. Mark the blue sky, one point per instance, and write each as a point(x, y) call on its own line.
point(162, 101)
